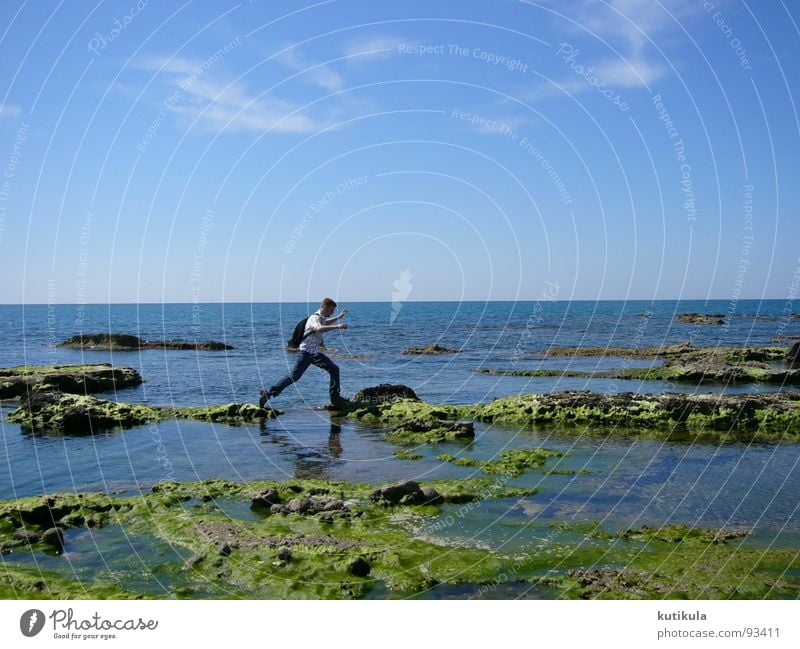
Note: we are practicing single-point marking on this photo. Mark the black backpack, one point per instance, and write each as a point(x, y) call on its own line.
point(297, 334)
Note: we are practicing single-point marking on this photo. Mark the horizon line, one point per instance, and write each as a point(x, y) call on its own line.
point(650, 300)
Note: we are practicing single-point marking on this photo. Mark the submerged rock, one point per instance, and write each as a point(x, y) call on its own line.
point(54, 537)
point(127, 342)
point(406, 492)
point(702, 318)
point(704, 365)
point(432, 349)
point(431, 431)
point(75, 379)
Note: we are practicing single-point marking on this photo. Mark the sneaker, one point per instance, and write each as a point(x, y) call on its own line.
point(340, 402)
point(264, 399)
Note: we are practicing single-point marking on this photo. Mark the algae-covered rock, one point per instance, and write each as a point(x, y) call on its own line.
point(431, 431)
point(681, 363)
point(510, 463)
point(76, 379)
point(399, 546)
point(71, 413)
point(701, 318)
point(432, 349)
point(751, 417)
point(679, 562)
point(53, 411)
point(128, 342)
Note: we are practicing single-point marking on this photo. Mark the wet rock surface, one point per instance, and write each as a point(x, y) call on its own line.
point(300, 555)
point(431, 431)
point(127, 342)
point(684, 363)
point(701, 318)
point(383, 393)
point(432, 349)
point(74, 379)
point(406, 492)
point(53, 411)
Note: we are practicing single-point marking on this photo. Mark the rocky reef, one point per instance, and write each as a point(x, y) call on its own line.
point(432, 349)
point(333, 540)
point(51, 411)
point(767, 417)
point(682, 363)
point(701, 318)
point(128, 342)
point(76, 379)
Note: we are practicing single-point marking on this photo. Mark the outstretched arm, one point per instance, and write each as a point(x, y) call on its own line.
point(338, 317)
point(325, 328)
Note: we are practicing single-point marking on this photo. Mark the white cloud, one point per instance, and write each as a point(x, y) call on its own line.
point(319, 75)
point(10, 111)
point(375, 48)
point(626, 28)
point(218, 106)
point(628, 73)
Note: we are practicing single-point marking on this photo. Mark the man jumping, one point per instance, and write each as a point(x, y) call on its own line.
point(309, 353)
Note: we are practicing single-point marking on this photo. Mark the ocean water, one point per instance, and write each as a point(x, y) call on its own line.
point(619, 482)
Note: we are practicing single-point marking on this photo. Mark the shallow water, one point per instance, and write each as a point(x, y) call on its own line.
point(625, 482)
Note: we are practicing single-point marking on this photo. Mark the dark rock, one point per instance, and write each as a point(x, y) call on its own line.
point(384, 393)
point(359, 567)
point(225, 550)
point(265, 498)
point(26, 535)
point(406, 492)
point(55, 537)
point(793, 357)
point(192, 561)
point(74, 379)
point(299, 505)
point(284, 554)
point(433, 349)
point(701, 318)
point(127, 342)
point(432, 497)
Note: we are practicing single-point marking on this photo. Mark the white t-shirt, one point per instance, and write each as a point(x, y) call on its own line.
point(312, 342)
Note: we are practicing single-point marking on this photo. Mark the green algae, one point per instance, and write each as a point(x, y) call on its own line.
point(511, 463)
point(70, 413)
point(678, 562)
point(280, 555)
point(764, 417)
point(687, 374)
point(684, 351)
point(22, 582)
point(406, 454)
point(400, 410)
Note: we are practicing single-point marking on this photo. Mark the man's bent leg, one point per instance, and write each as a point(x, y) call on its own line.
point(325, 363)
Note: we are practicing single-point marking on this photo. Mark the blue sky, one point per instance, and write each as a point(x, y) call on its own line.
point(479, 150)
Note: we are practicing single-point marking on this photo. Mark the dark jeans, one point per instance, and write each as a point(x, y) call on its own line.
point(304, 359)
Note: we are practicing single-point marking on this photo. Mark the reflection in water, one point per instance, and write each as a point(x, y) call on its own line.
point(309, 461)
